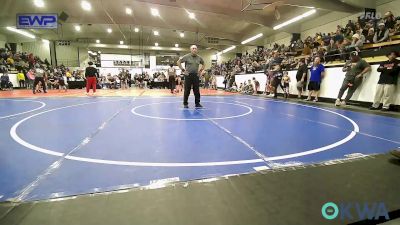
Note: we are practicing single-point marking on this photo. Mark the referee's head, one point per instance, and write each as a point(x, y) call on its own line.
point(193, 49)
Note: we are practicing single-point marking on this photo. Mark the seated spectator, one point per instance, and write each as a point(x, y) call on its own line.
point(382, 34)
point(369, 39)
point(5, 81)
point(356, 43)
point(306, 50)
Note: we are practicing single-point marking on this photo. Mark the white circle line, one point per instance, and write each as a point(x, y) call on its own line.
point(17, 114)
point(185, 119)
point(156, 164)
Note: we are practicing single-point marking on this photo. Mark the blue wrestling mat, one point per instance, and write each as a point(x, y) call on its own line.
point(56, 147)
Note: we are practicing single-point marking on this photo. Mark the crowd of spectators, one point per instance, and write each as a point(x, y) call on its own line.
point(336, 45)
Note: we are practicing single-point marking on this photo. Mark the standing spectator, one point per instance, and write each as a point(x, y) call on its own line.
point(382, 34)
point(171, 77)
point(355, 71)
point(390, 22)
point(256, 85)
point(39, 77)
point(387, 82)
point(286, 82)
point(91, 75)
point(317, 73)
point(277, 80)
point(301, 77)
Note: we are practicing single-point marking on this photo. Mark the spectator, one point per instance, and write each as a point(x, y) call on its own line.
point(382, 34)
point(301, 78)
point(317, 74)
point(39, 77)
point(370, 36)
point(5, 81)
point(306, 50)
point(357, 43)
point(256, 85)
point(21, 79)
point(390, 22)
point(387, 82)
point(286, 82)
point(355, 71)
point(277, 80)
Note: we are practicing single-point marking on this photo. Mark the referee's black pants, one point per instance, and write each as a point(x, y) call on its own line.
point(192, 80)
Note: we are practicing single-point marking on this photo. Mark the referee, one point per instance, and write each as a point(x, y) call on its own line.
point(194, 65)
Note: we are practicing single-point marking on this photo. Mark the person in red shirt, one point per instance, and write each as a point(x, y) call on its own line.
point(91, 75)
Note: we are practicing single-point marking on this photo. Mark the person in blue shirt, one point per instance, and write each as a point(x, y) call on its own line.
point(317, 73)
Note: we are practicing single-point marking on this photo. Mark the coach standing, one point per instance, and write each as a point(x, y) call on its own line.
point(194, 65)
point(91, 74)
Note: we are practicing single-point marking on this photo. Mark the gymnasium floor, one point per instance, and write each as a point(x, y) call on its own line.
point(56, 145)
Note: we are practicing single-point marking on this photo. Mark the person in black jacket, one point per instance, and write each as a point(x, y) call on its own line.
point(91, 75)
point(387, 82)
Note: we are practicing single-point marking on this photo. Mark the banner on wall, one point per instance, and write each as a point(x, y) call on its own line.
point(37, 21)
point(127, 63)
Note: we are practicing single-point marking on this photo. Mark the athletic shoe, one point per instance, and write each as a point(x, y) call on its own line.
point(373, 108)
point(337, 102)
point(384, 109)
point(198, 105)
point(343, 103)
point(185, 106)
point(315, 100)
point(34, 92)
point(395, 153)
point(308, 99)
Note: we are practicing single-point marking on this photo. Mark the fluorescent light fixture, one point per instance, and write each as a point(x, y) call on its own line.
point(156, 47)
point(252, 38)
point(45, 41)
point(77, 28)
point(154, 12)
point(98, 41)
point(229, 49)
point(156, 44)
point(182, 34)
point(86, 5)
point(136, 29)
point(100, 45)
point(39, 3)
point(29, 35)
point(176, 45)
point(121, 42)
point(99, 52)
point(156, 33)
point(109, 30)
point(122, 46)
point(128, 11)
point(295, 19)
point(191, 15)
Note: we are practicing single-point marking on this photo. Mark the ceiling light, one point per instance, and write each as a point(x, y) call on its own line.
point(45, 41)
point(295, 19)
point(182, 34)
point(136, 29)
point(39, 3)
point(77, 28)
point(176, 45)
point(86, 5)
point(122, 46)
point(252, 38)
point(99, 52)
point(109, 30)
point(128, 11)
point(156, 44)
point(21, 32)
point(154, 12)
point(156, 33)
point(191, 15)
point(121, 42)
point(229, 49)
point(98, 41)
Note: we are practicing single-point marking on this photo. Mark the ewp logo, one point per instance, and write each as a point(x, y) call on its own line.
point(374, 211)
point(37, 21)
